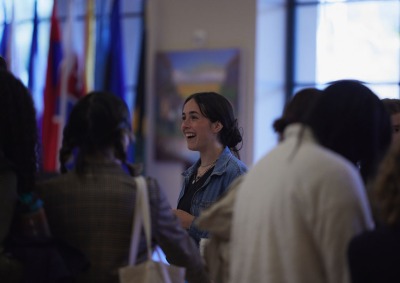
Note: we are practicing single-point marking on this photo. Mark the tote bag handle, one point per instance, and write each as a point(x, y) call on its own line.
point(142, 217)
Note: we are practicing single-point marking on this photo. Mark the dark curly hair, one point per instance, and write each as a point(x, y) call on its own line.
point(98, 121)
point(216, 107)
point(18, 130)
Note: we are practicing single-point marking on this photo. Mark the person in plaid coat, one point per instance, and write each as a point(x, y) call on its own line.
point(91, 204)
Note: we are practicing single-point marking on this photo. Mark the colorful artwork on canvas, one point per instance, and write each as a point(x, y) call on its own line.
point(179, 74)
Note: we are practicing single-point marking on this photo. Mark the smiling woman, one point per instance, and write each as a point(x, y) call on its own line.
point(210, 127)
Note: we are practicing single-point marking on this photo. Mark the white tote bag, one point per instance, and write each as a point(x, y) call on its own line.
point(149, 271)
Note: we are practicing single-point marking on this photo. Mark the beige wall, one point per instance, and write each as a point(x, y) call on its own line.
point(189, 24)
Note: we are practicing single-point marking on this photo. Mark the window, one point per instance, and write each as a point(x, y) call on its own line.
point(308, 43)
point(348, 39)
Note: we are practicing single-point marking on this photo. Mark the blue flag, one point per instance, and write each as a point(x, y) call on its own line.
point(34, 49)
point(4, 45)
point(115, 75)
point(102, 45)
point(4, 40)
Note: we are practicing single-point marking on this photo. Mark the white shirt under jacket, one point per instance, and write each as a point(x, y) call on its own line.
point(295, 213)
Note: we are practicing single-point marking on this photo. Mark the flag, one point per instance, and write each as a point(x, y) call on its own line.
point(4, 45)
point(72, 80)
point(110, 68)
point(115, 68)
point(32, 71)
point(50, 123)
point(8, 47)
point(89, 47)
point(64, 86)
point(33, 51)
point(102, 45)
point(139, 117)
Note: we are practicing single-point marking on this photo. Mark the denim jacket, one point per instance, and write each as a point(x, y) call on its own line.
point(227, 168)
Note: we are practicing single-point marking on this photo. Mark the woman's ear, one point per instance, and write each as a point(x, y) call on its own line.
point(217, 126)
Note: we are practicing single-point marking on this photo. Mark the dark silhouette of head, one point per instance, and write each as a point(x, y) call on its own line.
point(3, 64)
point(297, 109)
point(18, 130)
point(216, 108)
point(97, 123)
point(351, 120)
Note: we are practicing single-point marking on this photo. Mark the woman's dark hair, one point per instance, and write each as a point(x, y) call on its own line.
point(296, 109)
point(392, 105)
point(3, 64)
point(18, 130)
point(385, 197)
point(97, 122)
point(351, 120)
point(216, 107)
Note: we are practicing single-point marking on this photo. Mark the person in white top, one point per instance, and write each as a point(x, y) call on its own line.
point(298, 207)
point(217, 218)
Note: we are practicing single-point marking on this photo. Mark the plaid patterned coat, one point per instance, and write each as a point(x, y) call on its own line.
point(94, 211)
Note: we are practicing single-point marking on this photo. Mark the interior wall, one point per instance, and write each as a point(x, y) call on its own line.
point(269, 93)
point(188, 24)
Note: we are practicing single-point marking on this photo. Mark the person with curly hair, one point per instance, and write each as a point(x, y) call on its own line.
point(374, 255)
point(18, 148)
point(91, 205)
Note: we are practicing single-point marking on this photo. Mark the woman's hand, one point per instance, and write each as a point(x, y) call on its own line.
point(185, 218)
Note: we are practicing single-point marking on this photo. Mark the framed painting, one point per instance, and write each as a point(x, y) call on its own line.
point(179, 74)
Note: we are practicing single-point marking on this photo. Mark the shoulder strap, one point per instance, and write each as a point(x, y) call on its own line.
point(140, 217)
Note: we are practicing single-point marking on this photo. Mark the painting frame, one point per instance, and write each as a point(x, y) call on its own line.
point(179, 74)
